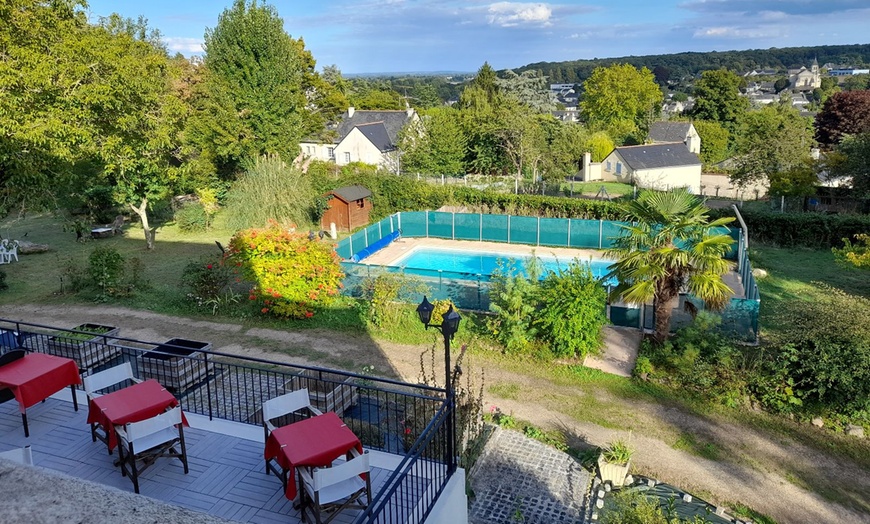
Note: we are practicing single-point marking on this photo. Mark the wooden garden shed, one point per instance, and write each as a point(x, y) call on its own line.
point(349, 208)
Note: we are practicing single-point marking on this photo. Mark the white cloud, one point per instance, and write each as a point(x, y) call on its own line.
point(510, 14)
point(737, 32)
point(182, 44)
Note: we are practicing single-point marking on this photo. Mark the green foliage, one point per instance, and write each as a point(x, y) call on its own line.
point(857, 254)
point(717, 98)
point(209, 283)
point(436, 145)
point(292, 276)
point(514, 300)
point(191, 218)
point(851, 161)
point(671, 244)
point(617, 452)
point(632, 506)
point(800, 229)
point(824, 348)
point(622, 96)
point(382, 293)
point(270, 190)
point(255, 101)
point(771, 140)
point(572, 311)
point(106, 271)
point(714, 141)
point(701, 361)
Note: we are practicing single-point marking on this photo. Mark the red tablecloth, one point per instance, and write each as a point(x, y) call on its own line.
point(315, 441)
point(132, 404)
point(36, 376)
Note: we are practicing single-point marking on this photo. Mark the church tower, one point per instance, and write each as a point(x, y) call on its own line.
point(817, 75)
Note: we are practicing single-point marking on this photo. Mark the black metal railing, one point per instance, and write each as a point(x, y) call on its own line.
point(387, 415)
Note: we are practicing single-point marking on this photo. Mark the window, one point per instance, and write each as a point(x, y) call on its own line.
point(347, 157)
point(361, 203)
point(619, 168)
point(331, 152)
point(310, 150)
point(607, 166)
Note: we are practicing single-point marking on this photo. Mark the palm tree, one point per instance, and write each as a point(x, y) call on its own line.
point(671, 244)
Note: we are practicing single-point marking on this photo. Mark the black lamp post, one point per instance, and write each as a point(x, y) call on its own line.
point(448, 327)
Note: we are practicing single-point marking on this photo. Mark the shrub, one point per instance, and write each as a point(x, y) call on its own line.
point(292, 276)
point(572, 311)
point(192, 217)
point(800, 229)
point(632, 506)
point(513, 299)
point(381, 294)
point(825, 350)
point(208, 282)
point(701, 360)
point(270, 190)
point(857, 254)
point(106, 271)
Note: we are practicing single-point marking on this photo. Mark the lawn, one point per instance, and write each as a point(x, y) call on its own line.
point(614, 189)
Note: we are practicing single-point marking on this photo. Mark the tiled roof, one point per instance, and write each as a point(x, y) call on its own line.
point(669, 131)
point(658, 155)
point(377, 134)
point(393, 122)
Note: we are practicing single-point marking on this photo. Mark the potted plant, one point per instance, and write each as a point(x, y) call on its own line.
point(614, 461)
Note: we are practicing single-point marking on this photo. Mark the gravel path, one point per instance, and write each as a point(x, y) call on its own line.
point(755, 468)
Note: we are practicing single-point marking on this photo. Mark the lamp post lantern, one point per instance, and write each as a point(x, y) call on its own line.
point(448, 327)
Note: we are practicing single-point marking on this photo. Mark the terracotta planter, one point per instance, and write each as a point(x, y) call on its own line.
point(615, 473)
point(86, 353)
point(177, 363)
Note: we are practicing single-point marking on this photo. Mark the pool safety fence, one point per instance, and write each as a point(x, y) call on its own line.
point(471, 291)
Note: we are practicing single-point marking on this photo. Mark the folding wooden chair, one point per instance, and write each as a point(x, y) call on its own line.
point(278, 407)
point(328, 491)
point(140, 444)
point(102, 380)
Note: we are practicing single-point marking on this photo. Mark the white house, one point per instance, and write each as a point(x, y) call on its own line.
point(669, 132)
point(654, 166)
point(363, 136)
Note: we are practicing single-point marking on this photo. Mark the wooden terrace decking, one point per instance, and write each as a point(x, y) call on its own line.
point(227, 476)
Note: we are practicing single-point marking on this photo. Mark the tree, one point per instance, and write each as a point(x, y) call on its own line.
point(530, 88)
point(670, 245)
point(780, 84)
point(844, 113)
point(851, 160)
point(717, 98)
point(255, 102)
point(714, 141)
point(436, 144)
point(622, 97)
point(771, 140)
point(856, 83)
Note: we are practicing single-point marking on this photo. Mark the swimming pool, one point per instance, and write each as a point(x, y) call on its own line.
point(425, 260)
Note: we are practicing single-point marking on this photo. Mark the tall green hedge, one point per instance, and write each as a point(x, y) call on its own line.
point(391, 194)
point(815, 230)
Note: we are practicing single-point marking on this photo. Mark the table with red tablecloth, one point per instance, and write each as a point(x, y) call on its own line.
point(35, 377)
point(313, 442)
point(135, 403)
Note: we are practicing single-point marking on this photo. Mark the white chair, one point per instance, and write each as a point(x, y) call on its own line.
point(288, 404)
point(102, 380)
point(328, 491)
point(11, 250)
point(20, 455)
point(140, 444)
point(5, 258)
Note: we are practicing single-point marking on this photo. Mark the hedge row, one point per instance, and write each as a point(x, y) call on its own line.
point(814, 230)
point(391, 194)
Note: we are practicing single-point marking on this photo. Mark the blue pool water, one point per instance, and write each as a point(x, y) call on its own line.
point(424, 261)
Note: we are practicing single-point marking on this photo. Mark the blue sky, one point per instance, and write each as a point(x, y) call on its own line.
point(366, 36)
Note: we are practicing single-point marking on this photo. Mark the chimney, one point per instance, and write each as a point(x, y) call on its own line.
point(587, 162)
point(350, 111)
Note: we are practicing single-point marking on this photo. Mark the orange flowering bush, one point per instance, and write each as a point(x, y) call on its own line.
point(292, 275)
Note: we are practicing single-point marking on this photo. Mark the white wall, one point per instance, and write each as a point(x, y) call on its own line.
point(316, 150)
point(360, 149)
point(669, 178)
point(452, 505)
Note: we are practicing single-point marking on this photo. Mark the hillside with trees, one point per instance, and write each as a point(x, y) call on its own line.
point(679, 65)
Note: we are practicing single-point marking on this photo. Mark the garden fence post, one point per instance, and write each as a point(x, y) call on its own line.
point(509, 229)
point(480, 235)
point(427, 223)
point(453, 227)
point(568, 240)
point(538, 237)
point(600, 233)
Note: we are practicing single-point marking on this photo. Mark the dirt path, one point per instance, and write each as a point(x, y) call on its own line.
point(754, 468)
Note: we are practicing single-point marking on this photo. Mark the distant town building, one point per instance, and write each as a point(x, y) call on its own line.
point(804, 79)
point(670, 132)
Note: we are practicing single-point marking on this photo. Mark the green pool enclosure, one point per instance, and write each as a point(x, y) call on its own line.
point(471, 291)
